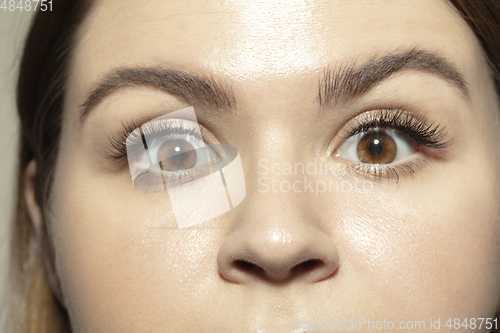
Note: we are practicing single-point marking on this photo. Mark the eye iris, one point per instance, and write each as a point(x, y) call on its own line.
point(176, 155)
point(376, 148)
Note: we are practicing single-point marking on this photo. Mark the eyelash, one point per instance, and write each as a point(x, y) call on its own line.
point(417, 127)
point(118, 145)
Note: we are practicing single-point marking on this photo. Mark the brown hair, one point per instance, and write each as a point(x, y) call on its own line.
point(40, 96)
point(483, 17)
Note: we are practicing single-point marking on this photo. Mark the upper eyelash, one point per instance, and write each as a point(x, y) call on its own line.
point(415, 126)
point(118, 142)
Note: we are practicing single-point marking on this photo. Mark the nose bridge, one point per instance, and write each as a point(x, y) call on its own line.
point(276, 234)
point(276, 159)
point(277, 216)
point(279, 206)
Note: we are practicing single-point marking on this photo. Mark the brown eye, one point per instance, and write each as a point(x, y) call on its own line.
point(176, 155)
point(376, 148)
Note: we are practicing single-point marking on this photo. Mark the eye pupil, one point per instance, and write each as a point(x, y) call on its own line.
point(376, 148)
point(176, 155)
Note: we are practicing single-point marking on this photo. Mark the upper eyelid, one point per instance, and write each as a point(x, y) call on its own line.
point(430, 133)
point(178, 123)
point(117, 142)
point(150, 132)
point(148, 128)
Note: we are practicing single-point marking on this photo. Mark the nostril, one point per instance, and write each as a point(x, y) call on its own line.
point(248, 267)
point(242, 259)
point(299, 269)
point(243, 265)
point(307, 266)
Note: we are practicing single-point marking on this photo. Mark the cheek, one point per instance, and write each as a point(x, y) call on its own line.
point(119, 248)
point(436, 244)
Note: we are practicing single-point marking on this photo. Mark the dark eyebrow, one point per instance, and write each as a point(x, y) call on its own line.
point(339, 85)
point(193, 89)
point(350, 81)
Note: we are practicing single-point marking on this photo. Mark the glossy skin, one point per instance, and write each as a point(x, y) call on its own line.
point(426, 247)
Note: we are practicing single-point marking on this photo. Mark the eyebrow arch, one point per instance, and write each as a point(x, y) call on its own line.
point(347, 82)
point(193, 89)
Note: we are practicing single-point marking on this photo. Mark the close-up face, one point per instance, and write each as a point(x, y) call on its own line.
point(367, 132)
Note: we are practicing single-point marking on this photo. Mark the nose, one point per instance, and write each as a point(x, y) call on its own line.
point(277, 245)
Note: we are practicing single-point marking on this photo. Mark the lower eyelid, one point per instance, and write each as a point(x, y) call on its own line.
point(178, 177)
point(391, 171)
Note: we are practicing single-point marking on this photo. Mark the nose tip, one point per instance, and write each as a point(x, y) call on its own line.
point(277, 256)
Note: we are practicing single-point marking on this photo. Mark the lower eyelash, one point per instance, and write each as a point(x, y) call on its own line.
point(172, 178)
point(387, 171)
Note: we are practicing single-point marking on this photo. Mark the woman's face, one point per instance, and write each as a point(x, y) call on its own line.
point(393, 98)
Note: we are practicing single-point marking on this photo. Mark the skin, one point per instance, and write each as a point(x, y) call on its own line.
point(425, 247)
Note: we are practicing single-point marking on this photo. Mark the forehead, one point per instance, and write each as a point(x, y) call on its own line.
point(248, 39)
